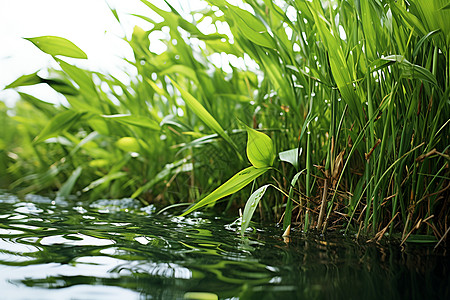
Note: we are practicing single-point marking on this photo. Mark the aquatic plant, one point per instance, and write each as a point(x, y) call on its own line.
point(353, 94)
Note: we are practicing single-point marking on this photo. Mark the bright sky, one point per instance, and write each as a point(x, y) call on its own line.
point(87, 23)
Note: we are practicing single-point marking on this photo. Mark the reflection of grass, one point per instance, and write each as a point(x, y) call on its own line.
point(362, 89)
point(235, 272)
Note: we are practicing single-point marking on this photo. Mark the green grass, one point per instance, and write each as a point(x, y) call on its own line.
point(354, 94)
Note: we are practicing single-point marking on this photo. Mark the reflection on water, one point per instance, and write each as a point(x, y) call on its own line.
point(115, 250)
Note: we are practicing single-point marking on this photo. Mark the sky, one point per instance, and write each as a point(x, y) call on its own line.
point(87, 23)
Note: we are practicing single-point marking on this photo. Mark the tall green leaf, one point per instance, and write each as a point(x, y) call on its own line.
point(67, 187)
point(203, 114)
point(250, 27)
point(59, 123)
point(84, 80)
point(129, 119)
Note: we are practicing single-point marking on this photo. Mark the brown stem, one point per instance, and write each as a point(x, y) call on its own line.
point(324, 201)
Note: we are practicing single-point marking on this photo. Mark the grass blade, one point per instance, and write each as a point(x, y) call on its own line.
point(129, 119)
point(67, 187)
point(203, 114)
point(59, 123)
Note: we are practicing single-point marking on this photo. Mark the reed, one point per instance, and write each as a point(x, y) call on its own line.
point(354, 96)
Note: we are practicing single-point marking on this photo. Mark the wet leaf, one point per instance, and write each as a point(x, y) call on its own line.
point(250, 207)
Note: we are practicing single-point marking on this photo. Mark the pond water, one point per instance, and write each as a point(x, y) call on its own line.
point(114, 249)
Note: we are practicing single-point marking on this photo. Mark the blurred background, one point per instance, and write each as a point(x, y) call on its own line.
point(89, 24)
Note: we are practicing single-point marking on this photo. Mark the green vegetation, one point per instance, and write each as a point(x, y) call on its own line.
point(352, 98)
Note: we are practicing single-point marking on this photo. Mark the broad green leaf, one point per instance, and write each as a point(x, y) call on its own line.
point(59, 123)
point(291, 156)
point(58, 85)
point(372, 30)
point(25, 80)
point(67, 187)
point(202, 113)
point(260, 149)
point(55, 45)
point(250, 207)
point(433, 16)
point(128, 119)
point(234, 184)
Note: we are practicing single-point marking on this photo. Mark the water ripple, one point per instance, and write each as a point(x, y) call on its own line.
point(114, 249)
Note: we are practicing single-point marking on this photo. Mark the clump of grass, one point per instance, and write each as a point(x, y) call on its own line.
point(354, 96)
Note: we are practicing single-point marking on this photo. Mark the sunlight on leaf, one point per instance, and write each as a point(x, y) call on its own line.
point(291, 156)
point(55, 45)
point(260, 149)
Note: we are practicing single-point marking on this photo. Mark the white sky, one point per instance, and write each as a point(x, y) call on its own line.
point(87, 23)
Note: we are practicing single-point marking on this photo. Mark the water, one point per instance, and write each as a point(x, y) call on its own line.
point(115, 250)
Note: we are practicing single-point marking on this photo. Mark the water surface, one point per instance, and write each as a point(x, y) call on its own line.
point(114, 249)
